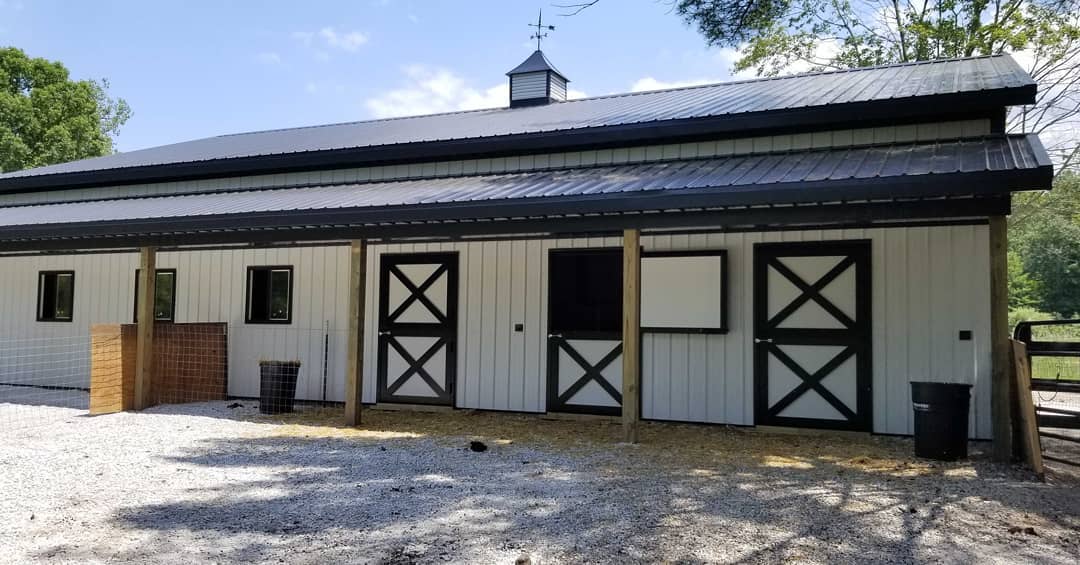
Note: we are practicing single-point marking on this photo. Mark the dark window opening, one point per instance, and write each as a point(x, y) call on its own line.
point(164, 295)
point(269, 295)
point(586, 291)
point(56, 296)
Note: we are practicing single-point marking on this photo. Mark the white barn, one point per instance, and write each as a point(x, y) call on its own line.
point(809, 245)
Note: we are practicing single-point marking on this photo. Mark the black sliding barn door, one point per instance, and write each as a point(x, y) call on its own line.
point(417, 328)
point(812, 334)
point(585, 331)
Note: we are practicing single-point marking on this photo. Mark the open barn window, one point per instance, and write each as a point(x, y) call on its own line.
point(269, 295)
point(684, 292)
point(586, 293)
point(56, 296)
point(164, 295)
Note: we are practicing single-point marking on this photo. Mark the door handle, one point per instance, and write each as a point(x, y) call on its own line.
point(385, 332)
point(554, 335)
point(766, 340)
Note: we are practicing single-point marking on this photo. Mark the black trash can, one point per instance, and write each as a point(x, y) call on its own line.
point(941, 419)
point(277, 386)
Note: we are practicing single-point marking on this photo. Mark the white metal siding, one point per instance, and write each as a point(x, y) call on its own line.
point(528, 86)
point(928, 283)
point(838, 138)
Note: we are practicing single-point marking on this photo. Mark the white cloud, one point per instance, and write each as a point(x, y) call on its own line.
point(432, 90)
point(268, 58)
point(348, 41)
point(650, 83)
point(330, 38)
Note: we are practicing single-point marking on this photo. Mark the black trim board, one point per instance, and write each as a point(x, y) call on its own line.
point(99, 235)
point(542, 236)
point(917, 109)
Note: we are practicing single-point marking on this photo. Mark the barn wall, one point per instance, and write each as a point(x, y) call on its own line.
point(928, 283)
point(210, 287)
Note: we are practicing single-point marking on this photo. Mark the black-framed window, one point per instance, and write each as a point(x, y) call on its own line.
point(269, 295)
point(56, 296)
point(164, 295)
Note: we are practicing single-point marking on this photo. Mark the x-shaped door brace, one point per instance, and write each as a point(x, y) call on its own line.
point(592, 372)
point(811, 292)
point(811, 381)
point(417, 293)
point(416, 366)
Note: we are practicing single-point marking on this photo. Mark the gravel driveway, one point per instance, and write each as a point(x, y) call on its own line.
point(205, 483)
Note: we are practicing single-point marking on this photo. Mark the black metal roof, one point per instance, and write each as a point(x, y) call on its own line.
point(537, 62)
point(830, 99)
point(989, 167)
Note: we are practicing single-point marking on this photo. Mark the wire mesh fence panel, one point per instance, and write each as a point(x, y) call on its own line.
point(43, 378)
point(190, 363)
point(317, 355)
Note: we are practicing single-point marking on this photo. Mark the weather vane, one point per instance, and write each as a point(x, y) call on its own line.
point(541, 30)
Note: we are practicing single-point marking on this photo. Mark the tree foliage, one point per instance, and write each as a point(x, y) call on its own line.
point(46, 117)
point(775, 36)
point(1052, 257)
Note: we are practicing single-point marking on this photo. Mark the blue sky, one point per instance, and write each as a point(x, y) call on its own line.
point(200, 68)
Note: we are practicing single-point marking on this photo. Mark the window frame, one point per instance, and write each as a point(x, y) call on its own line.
point(39, 313)
point(172, 304)
point(248, 288)
point(724, 326)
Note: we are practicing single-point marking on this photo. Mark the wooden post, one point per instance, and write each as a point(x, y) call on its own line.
point(354, 366)
point(1029, 421)
point(144, 345)
point(631, 333)
point(1000, 365)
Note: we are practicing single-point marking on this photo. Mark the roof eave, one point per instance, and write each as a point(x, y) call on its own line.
point(944, 187)
point(839, 116)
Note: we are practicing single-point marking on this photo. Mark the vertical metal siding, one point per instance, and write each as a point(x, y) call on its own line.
point(928, 283)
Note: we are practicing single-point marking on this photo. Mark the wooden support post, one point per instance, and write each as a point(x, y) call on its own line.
point(1025, 415)
point(631, 333)
point(354, 366)
point(144, 344)
point(1001, 402)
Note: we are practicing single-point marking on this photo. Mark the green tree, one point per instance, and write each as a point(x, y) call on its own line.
point(46, 117)
point(1024, 291)
point(772, 36)
point(1051, 253)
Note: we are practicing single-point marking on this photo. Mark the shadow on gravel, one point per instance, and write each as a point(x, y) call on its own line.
point(406, 500)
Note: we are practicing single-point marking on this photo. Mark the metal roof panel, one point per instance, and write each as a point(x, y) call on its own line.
point(724, 99)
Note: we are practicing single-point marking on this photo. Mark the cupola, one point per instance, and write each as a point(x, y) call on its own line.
point(535, 82)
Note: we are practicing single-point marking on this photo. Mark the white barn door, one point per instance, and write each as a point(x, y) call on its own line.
point(417, 328)
point(812, 335)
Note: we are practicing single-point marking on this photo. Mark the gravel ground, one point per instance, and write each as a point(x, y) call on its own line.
point(205, 483)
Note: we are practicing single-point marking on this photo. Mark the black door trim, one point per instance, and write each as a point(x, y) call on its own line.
point(855, 338)
point(444, 330)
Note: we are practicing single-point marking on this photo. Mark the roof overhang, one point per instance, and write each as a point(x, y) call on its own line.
point(843, 186)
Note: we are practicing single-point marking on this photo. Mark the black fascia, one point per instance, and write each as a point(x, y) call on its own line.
point(95, 235)
point(937, 107)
